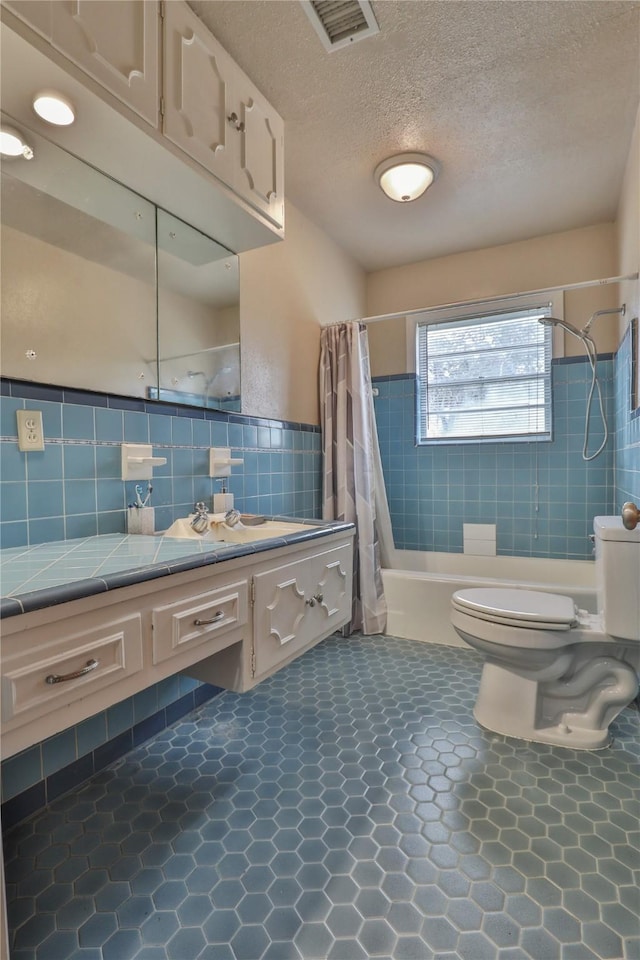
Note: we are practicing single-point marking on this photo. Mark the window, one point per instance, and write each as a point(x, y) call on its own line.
point(485, 377)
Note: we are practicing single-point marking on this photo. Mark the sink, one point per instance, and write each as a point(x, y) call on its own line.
point(268, 530)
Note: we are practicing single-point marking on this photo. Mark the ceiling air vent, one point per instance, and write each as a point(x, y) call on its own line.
point(340, 23)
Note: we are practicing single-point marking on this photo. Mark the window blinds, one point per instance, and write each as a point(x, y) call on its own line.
point(485, 377)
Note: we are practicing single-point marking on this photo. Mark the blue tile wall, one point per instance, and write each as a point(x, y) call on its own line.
point(541, 496)
point(73, 489)
point(627, 441)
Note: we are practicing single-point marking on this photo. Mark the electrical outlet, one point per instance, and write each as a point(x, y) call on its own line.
point(30, 433)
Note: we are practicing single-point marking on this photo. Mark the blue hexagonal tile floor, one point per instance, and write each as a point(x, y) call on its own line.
point(348, 808)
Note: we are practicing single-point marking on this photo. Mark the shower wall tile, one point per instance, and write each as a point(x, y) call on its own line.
point(541, 496)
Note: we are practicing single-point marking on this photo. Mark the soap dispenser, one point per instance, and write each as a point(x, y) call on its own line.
point(223, 501)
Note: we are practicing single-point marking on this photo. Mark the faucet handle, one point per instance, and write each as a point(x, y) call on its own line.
point(630, 515)
point(200, 507)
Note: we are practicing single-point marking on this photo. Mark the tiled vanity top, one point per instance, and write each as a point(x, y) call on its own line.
point(46, 574)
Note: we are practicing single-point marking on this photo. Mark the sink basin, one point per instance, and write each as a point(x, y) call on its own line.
point(268, 530)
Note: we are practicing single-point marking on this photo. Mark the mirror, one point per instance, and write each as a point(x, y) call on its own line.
point(198, 318)
point(82, 304)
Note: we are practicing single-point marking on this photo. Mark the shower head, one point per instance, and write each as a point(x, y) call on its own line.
point(555, 322)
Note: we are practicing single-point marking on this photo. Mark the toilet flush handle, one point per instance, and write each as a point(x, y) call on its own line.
point(630, 515)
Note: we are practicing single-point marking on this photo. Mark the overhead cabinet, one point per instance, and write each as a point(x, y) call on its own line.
point(213, 112)
point(161, 61)
point(117, 42)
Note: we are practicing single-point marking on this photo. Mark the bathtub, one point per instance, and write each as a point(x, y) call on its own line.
point(418, 589)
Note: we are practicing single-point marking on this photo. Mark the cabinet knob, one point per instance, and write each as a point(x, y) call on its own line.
point(236, 122)
point(318, 598)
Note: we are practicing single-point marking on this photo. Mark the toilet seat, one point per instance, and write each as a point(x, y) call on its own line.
point(526, 609)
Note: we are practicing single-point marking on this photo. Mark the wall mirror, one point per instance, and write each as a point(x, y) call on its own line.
point(103, 291)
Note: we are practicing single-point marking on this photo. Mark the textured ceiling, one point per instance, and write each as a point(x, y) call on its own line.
point(529, 105)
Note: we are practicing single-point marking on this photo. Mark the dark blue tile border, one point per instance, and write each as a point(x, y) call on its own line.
point(26, 390)
point(36, 797)
point(24, 805)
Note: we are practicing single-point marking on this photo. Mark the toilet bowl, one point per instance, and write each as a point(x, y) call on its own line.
point(553, 673)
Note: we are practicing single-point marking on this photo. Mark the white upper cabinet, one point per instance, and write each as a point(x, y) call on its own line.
point(214, 113)
point(36, 13)
point(117, 42)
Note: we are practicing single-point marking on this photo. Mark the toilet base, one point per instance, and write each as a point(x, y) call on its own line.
point(509, 704)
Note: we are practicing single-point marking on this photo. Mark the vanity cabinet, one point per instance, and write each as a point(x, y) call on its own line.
point(232, 131)
point(117, 42)
point(231, 623)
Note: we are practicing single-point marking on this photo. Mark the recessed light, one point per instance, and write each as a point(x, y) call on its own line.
point(12, 143)
point(54, 108)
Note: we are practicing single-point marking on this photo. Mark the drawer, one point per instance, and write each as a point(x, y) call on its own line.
point(40, 677)
point(208, 620)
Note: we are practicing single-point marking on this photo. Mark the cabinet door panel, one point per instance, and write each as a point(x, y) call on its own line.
point(35, 13)
point(261, 160)
point(60, 666)
point(117, 42)
point(209, 619)
point(196, 91)
point(298, 603)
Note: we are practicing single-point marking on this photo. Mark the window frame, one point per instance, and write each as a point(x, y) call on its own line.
point(479, 310)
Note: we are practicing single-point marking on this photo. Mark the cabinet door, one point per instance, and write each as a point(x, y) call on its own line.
point(117, 43)
point(260, 175)
point(298, 603)
point(196, 92)
point(36, 14)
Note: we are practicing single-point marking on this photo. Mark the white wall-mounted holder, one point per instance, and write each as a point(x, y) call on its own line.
point(138, 461)
point(221, 461)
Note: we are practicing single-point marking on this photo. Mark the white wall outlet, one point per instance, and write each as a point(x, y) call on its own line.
point(30, 433)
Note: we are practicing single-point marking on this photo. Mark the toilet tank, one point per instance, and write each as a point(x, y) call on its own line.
point(618, 577)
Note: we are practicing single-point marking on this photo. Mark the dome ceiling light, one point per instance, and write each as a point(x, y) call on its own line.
point(406, 176)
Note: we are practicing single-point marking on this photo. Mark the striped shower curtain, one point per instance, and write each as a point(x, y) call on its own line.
point(350, 446)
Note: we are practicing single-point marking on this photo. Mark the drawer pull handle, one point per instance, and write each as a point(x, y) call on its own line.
point(215, 619)
point(317, 599)
point(235, 122)
point(62, 678)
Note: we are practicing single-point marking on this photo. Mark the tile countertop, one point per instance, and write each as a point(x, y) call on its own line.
point(46, 574)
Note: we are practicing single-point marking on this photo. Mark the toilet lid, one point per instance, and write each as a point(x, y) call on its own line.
point(526, 608)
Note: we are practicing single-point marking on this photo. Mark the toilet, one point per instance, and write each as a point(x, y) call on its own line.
point(553, 673)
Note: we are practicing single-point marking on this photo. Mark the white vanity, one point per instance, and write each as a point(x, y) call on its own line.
point(139, 609)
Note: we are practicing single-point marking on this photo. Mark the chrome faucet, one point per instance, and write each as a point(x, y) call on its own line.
point(200, 522)
point(232, 517)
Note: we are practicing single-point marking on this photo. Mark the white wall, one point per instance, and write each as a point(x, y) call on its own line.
point(628, 231)
point(561, 258)
point(287, 292)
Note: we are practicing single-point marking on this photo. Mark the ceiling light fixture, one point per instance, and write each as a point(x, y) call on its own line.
point(54, 108)
point(12, 143)
point(406, 176)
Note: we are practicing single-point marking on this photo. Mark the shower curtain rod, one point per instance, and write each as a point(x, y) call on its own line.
point(510, 296)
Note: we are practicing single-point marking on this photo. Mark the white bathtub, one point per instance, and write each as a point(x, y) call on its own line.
point(419, 588)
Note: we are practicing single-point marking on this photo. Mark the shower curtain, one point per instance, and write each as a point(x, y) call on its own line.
point(353, 485)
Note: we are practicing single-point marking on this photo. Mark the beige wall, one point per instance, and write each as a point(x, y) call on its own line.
point(287, 292)
point(561, 258)
point(628, 231)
